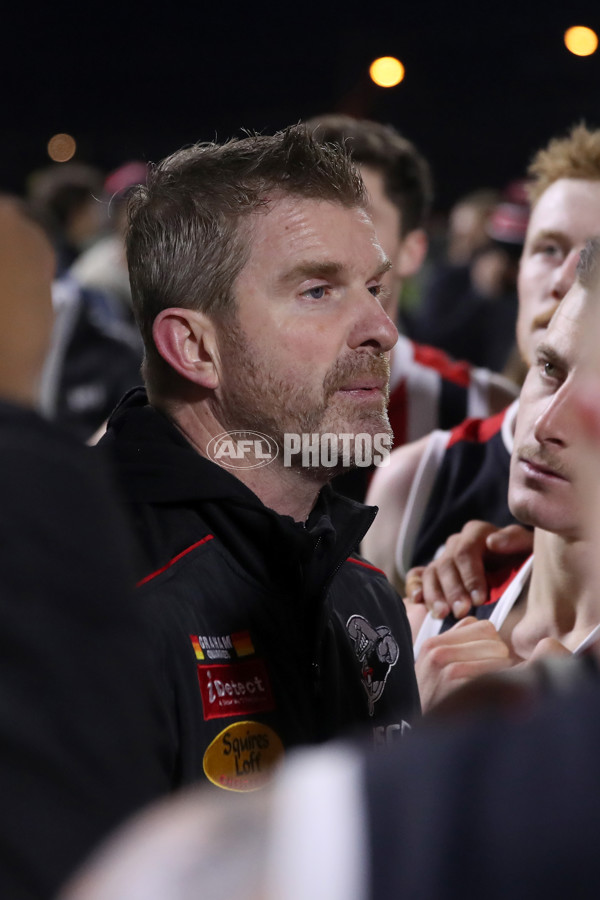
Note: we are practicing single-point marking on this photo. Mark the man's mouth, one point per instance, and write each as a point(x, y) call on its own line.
point(360, 378)
point(365, 385)
point(539, 470)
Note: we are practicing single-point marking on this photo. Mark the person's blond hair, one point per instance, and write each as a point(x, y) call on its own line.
point(575, 156)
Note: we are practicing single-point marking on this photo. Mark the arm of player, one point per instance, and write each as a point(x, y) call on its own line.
point(471, 648)
point(455, 581)
point(389, 490)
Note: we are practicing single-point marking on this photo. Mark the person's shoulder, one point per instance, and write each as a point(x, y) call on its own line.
point(390, 490)
point(362, 584)
point(481, 430)
point(396, 477)
point(356, 564)
point(55, 462)
point(178, 563)
point(456, 371)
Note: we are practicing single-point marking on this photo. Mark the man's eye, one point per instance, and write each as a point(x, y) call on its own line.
point(316, 293)
point(376, 289)
point(552, 250)
point(550, 370)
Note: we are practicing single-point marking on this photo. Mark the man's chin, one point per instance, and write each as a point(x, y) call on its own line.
point(363, 418)
point(327, 453)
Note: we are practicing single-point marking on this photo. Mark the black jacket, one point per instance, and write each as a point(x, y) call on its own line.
point(76, 708)
point(263, 630)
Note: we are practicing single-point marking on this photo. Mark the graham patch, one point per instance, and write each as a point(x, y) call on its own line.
point(222, 646)
point(237, 689)
point(242, 756)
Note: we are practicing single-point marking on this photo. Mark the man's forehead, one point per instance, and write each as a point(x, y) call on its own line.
point(566, 207)
point(283, 205)
point(291, 222)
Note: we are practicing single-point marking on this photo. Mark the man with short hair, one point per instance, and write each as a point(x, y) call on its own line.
point(547, 596)
point(432, 487)
point(257, 281)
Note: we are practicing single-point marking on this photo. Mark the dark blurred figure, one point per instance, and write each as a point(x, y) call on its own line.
point(467, 225)
point(96, 350)
point(76, 712)
point(104, 266)
point(469, 306)
point(67, 196)
point(94, 359)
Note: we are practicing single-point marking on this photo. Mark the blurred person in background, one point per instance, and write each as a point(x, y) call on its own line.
point(68, 198)
point(96, 350)
point(469, 302)
point(427, 388)
point(468, 225)
point(103, 266)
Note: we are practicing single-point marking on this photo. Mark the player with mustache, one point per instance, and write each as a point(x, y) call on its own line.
point(545, 604)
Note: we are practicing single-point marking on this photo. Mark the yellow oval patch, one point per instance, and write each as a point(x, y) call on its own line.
point(242, 756)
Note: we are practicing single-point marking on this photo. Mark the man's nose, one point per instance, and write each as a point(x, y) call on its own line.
point(373, 327)
point(557, 423)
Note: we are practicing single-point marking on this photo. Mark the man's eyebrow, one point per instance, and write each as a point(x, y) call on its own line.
point(324, 269)
point(311, 269)
point(385, 266)
point(547, 234)
point(551, 355)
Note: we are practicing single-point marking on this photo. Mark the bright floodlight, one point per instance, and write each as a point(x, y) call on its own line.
point(581, 41)
point(61, 147)
point(387, 71)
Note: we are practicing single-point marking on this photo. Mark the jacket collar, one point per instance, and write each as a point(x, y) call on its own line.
point(157, 465)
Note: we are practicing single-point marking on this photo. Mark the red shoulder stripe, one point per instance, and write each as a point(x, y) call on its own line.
point(175, 559)
point(457, 371)
point(365, 565)
point(477, 430)
point(499, 581)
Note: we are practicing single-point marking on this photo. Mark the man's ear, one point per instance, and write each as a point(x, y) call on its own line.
point(411, 254)
point(186, 340)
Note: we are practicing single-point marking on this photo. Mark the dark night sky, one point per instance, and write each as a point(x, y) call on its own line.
point(487, 83)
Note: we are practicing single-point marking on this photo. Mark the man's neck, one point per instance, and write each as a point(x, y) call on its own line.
point(289, 491)
point(557, 604)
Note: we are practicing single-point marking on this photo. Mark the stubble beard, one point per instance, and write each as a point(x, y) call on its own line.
point(257, 399)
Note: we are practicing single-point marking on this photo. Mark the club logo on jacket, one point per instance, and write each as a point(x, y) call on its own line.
point(377, 651)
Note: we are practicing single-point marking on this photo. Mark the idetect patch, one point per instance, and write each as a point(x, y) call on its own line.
point(242, 756)
point(236, 689)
